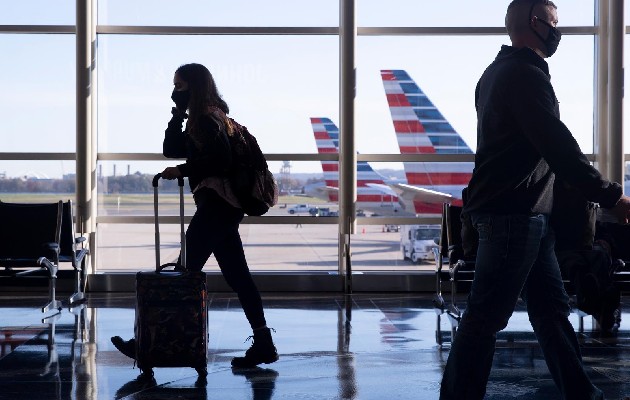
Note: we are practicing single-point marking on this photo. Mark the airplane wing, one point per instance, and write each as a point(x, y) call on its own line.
point(417, 193)
point(328, 189)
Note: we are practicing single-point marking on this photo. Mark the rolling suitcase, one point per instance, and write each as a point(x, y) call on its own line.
point(171, 327)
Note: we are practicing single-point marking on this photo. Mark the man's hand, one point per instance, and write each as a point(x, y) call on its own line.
point(622, 209)
point(173, 173)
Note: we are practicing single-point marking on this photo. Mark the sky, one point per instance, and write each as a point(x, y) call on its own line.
point(273, 84)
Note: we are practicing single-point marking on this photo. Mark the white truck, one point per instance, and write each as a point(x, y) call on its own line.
point(417, 241)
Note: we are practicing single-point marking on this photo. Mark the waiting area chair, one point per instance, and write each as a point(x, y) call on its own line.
point(73, 250)
point(34, 239)
point(452, 267)
point(455, 266)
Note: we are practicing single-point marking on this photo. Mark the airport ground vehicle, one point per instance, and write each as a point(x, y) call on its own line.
point(299, 208)
point(391, 228)
point(417, 241)
point(322, 212)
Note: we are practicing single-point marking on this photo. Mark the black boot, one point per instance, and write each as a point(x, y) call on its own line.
point(261, 351)
point(128, 347)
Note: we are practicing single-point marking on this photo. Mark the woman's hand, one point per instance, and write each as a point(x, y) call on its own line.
point(171, 173)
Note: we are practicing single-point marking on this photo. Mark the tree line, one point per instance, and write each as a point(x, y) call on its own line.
point(133, 183)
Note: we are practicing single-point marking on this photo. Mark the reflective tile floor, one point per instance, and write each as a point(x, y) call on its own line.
point(365, 346)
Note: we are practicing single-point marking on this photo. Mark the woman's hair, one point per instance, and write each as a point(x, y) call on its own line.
point(204, 96)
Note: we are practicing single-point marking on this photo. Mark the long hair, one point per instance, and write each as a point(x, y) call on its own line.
point(204, 98)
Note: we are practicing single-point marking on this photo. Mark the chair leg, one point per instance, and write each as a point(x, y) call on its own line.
point(78, 294)
point(438, 331)
point(53, 303)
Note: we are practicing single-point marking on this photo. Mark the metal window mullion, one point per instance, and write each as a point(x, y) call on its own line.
point(38, 29)
point(85, 192)
point(320, 30)
point(600, 119)
point(347, 150)
point(615, 91)
point(213, 30)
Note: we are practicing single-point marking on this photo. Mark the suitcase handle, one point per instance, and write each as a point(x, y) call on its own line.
point(157, 177)
point(180, 183)
point(176, 267)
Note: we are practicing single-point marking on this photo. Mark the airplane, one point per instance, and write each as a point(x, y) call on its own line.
point(421, 129)
point(373, 194)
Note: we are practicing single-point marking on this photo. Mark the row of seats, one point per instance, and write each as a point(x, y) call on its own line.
point(455, 269)
point(35, 239)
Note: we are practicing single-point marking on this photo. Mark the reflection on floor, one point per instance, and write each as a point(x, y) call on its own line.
point(366, 346)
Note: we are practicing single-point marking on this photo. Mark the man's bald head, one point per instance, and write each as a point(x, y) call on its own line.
point(520, 12)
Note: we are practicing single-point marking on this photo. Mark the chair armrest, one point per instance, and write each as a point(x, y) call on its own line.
point(80, 255)
point(79, 239)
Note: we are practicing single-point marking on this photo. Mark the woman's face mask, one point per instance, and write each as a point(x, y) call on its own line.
point(181, 99)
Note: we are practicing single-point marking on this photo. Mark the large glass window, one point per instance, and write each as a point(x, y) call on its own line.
point(37, 115)
point(285, 88)
point(37, 108)
point(38, 12)
point(34, 181)
point(458, 13)
point(223, 13)
point(268, 88)
point(449, 76)
point(277, 247)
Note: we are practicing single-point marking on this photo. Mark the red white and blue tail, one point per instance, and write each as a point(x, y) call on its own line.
point(372, 192)
point(422, 129)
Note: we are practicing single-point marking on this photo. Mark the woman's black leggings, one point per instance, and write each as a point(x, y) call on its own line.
point(214, 229)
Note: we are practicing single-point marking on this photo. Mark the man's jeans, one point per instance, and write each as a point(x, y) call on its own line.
point(515, 257)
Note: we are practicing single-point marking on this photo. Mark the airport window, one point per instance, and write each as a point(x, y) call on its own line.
point(234, 13)
point(37, 115)
point(34, 181)
point(458, 13)
point(265, 86)
point(38, 12)
point(35, 88)
point(450, 86)
point(285, 88)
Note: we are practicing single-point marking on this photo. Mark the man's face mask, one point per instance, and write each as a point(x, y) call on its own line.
point(181, 99)
point(553, 37)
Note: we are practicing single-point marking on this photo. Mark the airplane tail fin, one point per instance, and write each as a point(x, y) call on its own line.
point(327, 139)
point(422, 129)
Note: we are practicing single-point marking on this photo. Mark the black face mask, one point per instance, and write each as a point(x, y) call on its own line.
point(553, 38)
point(181, 99)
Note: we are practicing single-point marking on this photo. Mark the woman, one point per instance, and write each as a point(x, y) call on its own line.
point(214, 227)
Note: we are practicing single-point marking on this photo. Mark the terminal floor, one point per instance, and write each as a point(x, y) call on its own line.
point(364, 346)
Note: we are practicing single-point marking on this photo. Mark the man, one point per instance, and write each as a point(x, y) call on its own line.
point(521, 145)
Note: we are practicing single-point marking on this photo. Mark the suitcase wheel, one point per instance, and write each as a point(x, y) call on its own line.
point(202, 371)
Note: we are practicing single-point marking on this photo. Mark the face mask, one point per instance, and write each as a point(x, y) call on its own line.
point(181, 99)
point(553, 38)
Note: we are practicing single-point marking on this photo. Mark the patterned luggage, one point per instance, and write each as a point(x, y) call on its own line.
point(171, 309)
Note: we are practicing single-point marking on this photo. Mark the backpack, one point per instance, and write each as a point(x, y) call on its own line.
point(252, 183)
